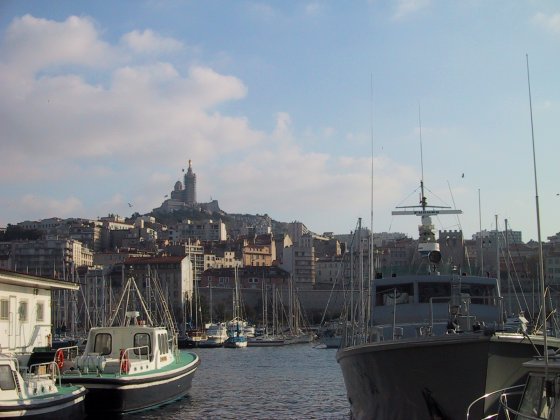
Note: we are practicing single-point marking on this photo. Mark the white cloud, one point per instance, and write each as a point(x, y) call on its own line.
point(66, 134)
point(329, 131)
point(408, 7)
point(67, 207)
point(30, 44)
point(549, 22)
point(283, 125)
point(149, 42)
point(261, 10)
point(312, 8)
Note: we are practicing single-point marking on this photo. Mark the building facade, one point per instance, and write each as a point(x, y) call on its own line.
point(25, 310)
point(52, 257)
point(205, 231)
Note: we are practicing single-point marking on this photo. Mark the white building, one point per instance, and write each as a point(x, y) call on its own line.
point(207, 230)
point(25, 310)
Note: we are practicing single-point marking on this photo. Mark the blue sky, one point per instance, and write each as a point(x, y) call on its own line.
point(278, 105)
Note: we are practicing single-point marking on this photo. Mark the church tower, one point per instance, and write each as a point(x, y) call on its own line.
point(190, 186)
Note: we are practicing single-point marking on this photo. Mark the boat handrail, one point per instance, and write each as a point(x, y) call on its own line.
point(449, 300)
point(70, 352)
point(140, 354)
point(51, 371)
point(504, 392)
point(124, 357)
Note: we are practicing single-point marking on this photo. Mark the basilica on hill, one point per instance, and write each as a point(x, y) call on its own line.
point(186, 192)
point(183, 196)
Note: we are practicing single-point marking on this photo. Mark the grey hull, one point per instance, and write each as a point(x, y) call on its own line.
point(433, 377)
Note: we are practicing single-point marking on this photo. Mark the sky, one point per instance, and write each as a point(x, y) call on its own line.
point(282, 106)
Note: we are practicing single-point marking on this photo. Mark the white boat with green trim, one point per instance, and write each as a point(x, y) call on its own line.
point(36, 392)
point(131, 367)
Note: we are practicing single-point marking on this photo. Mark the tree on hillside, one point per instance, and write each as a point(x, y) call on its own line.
point(14, 233)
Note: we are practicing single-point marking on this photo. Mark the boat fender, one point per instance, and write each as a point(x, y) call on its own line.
point(124, 362)
point(59, 358)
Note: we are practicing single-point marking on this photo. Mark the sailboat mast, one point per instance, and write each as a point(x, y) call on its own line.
point(370, 248)
point(480, 236)
point(506, 258)
point(541, 260)
point(498, 274)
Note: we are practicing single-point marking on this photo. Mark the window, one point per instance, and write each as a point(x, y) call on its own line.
point(162, 342)
point(4, 308)
point(40, 311)
point(23, 311)
point(142, 340)
point(6, 378)
point(102, 344)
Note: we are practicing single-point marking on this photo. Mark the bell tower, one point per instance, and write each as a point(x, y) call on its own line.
point(190, 185)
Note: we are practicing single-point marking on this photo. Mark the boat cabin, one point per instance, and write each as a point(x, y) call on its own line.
point(426, 304)
point(125, 349)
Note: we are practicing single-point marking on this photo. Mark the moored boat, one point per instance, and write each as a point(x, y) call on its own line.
point(537, 398)
point(236, 339)
point(37, 392)
point(266, 341)
point(410, 377)
point(433, 342)
point(192, 339)
point(130, 368)
point(216, 335)
point(133, 366)
point(236, 342)
point(330, 335)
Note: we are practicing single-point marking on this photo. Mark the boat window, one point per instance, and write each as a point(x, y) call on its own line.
point(394, 294)
point(142, 340)
point(162, 341)
point(439, 291)
point(534, 402)
point(484, 294)
point(6, 378)
point(102, 344)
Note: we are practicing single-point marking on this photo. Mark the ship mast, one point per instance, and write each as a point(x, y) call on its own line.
point(428, 247)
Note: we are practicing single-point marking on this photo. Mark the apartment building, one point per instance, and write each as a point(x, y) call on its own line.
point(190, 230)
point(48, 257)
point(258, 251)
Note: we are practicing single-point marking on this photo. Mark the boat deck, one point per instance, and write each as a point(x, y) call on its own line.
point(182, 360)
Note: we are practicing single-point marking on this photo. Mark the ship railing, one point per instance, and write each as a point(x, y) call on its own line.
point(504, 393)
point(455, 306)
point(48, 370)
point(137, 353)
point(132, 353)
point(68, 353)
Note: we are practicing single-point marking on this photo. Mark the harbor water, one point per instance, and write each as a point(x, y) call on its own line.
point(289, 382)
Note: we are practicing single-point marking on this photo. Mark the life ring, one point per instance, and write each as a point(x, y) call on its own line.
point(59, 358)
point(124, 362)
